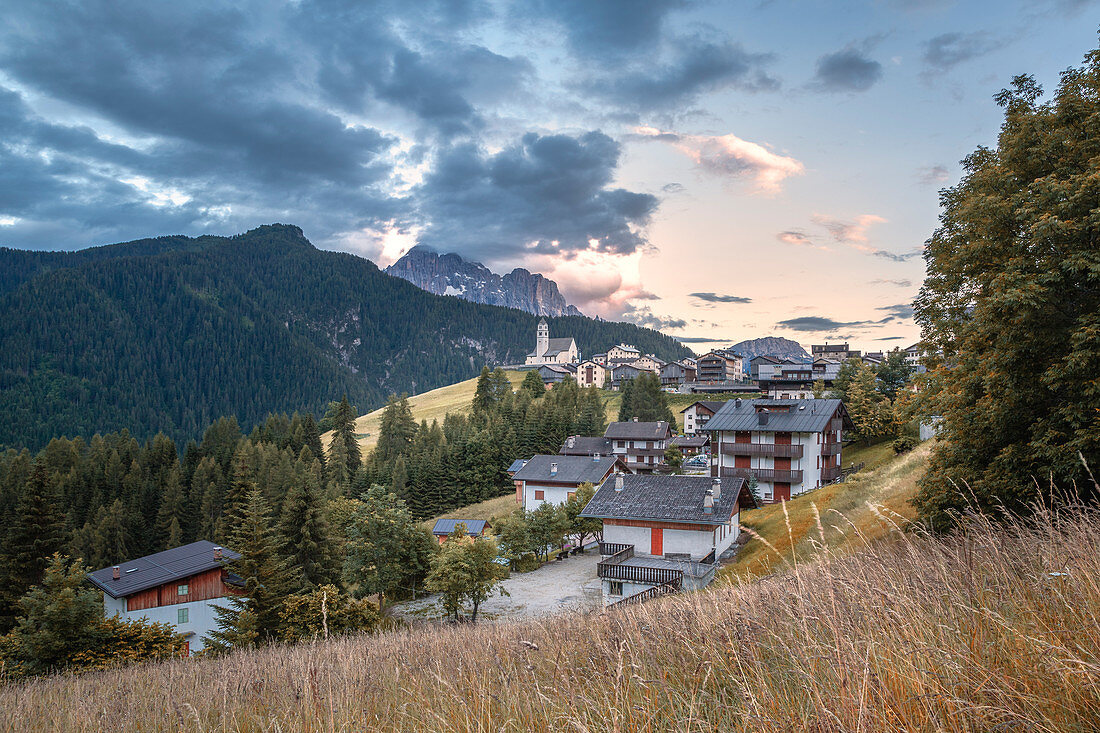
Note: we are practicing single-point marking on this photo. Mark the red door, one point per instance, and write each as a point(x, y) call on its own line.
point(657, 540)
point(742, 461)
point(782, 438)
point(743, 436)
point(782, 492)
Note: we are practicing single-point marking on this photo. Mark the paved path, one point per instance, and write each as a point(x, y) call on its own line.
point(555, 587)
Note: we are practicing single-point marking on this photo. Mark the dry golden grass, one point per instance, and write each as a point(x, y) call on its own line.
point(844, 510)
point(487, 509)
point(994, 629)
point(431, 405)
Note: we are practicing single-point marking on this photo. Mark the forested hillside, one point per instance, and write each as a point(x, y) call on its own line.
point(166, 335)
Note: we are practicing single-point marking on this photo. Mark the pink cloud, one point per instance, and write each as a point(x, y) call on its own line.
point(732, 157)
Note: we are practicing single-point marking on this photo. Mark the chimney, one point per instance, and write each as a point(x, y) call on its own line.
point(571, 441)
point(217, 553)
point(619, 481)
point(708, 502)
point(762, 416)
point(115, 573)
point(716, 488)
point(596, 457)
point(737, 403)
point(634, 420)
point(553, 469)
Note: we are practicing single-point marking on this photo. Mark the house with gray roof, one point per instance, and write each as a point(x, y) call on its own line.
point(444, 527)
point(179, 587)
point(583, 445)
point(554, 479)
point(698, 413)
point(663, 533)
point(641, 445)
point(789, 446)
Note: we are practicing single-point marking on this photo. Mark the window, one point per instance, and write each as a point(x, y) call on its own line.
point(539, 494)
point(614, 587)
point(183, 615)
point(182, 590)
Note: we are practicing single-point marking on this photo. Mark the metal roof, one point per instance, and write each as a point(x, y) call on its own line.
point(159, 568)
point(663, 498)
point(689, 441)
point(446, 526)
point(581, 445)
point(517, 465)
point(638, 430)
point(570, 469)
point(712, 405)
point(802, 416)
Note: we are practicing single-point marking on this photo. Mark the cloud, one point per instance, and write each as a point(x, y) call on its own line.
point(933, 175)
point(890, 338)
point(900, 311)
point(799, 238)
point(701, 340)
point(643, 316)
point(819, 323)
point(696, 66)
point(730, 156)
point(716, 298)
point(895, 257)
point(611, 29)
point(846, 70)
point(947, 50)
point(848, 232)
point(544, 194)
point(898, 283)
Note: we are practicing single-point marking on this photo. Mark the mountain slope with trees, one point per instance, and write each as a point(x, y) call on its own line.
point(166, 335)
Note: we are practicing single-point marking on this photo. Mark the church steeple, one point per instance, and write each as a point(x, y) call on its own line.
point(542, 339)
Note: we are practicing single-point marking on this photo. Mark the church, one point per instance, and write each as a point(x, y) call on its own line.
point(552, 351)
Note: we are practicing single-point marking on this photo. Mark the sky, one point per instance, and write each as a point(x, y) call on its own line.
point(717, 170)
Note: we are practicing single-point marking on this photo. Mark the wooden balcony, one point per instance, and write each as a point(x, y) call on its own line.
point(836, 424)
point(764, 474)
point(830, 449)
point(762, 449)
point(642, 452)
point(830, 473)
point(616, 567)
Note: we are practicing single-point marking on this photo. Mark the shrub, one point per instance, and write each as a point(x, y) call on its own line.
point(904, 444)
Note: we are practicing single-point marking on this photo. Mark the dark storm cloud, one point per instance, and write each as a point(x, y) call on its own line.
point(947, 50)
point(547, 192)
point(716, 298)
point(847, 70)
point(608, 29)
point(696, 66)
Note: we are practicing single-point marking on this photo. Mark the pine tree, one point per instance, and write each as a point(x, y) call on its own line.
point(242, 483)
point(253, 616)
point(172, 511)
point(308, 545)
point(532, 384)
point(208, 489)
point(484, 394)
point(400, 479)
point(38, 532)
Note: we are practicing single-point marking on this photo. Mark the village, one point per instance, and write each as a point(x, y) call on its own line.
point(658, 503)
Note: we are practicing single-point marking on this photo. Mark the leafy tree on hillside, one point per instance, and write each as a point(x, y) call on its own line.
point(870, 410)
point(893, 373)
point(388, 554)
point(465, 570)
point(1010, 308)
point(582, 528)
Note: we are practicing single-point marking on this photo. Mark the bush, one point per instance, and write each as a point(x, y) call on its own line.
point(326, 611)
point(904, 444)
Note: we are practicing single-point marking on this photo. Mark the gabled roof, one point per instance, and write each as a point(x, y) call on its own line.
point(712, 405)
point(664, 499)
point(804, 416)
point(638, 430)
point(557, 345)
point(159, 568)
point(625, 347)
point(444, 527)
point(570, 469)
point(689, 441)
point(581, 445)
point(559, 368)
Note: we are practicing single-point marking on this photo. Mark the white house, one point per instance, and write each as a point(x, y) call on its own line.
point(622, 353)
point(591, 374)
point(179, 587)
point(553, 479)
point(641, 445)
point(552, 350)
point(663, 533)
point(789, 446)
point(697, 414)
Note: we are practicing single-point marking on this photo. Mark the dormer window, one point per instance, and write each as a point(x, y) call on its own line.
point(182, 589)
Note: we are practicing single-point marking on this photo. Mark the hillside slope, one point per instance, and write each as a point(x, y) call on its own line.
point(994, 629)
point(169, 334)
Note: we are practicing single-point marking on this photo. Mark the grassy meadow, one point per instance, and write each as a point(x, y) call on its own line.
point(992, 629)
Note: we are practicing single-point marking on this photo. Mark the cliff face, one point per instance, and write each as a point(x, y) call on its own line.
point(449, 274)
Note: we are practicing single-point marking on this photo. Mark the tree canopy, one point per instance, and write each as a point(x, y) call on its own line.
point(1010, 309)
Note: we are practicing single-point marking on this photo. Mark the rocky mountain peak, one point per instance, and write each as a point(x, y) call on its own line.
point(450, 274)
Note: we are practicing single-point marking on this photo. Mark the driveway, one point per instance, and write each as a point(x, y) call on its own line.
point(558, 586)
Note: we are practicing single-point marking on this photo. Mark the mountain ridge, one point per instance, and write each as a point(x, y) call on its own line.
point(450, 274)
point(770, 345)
point(166, 335)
